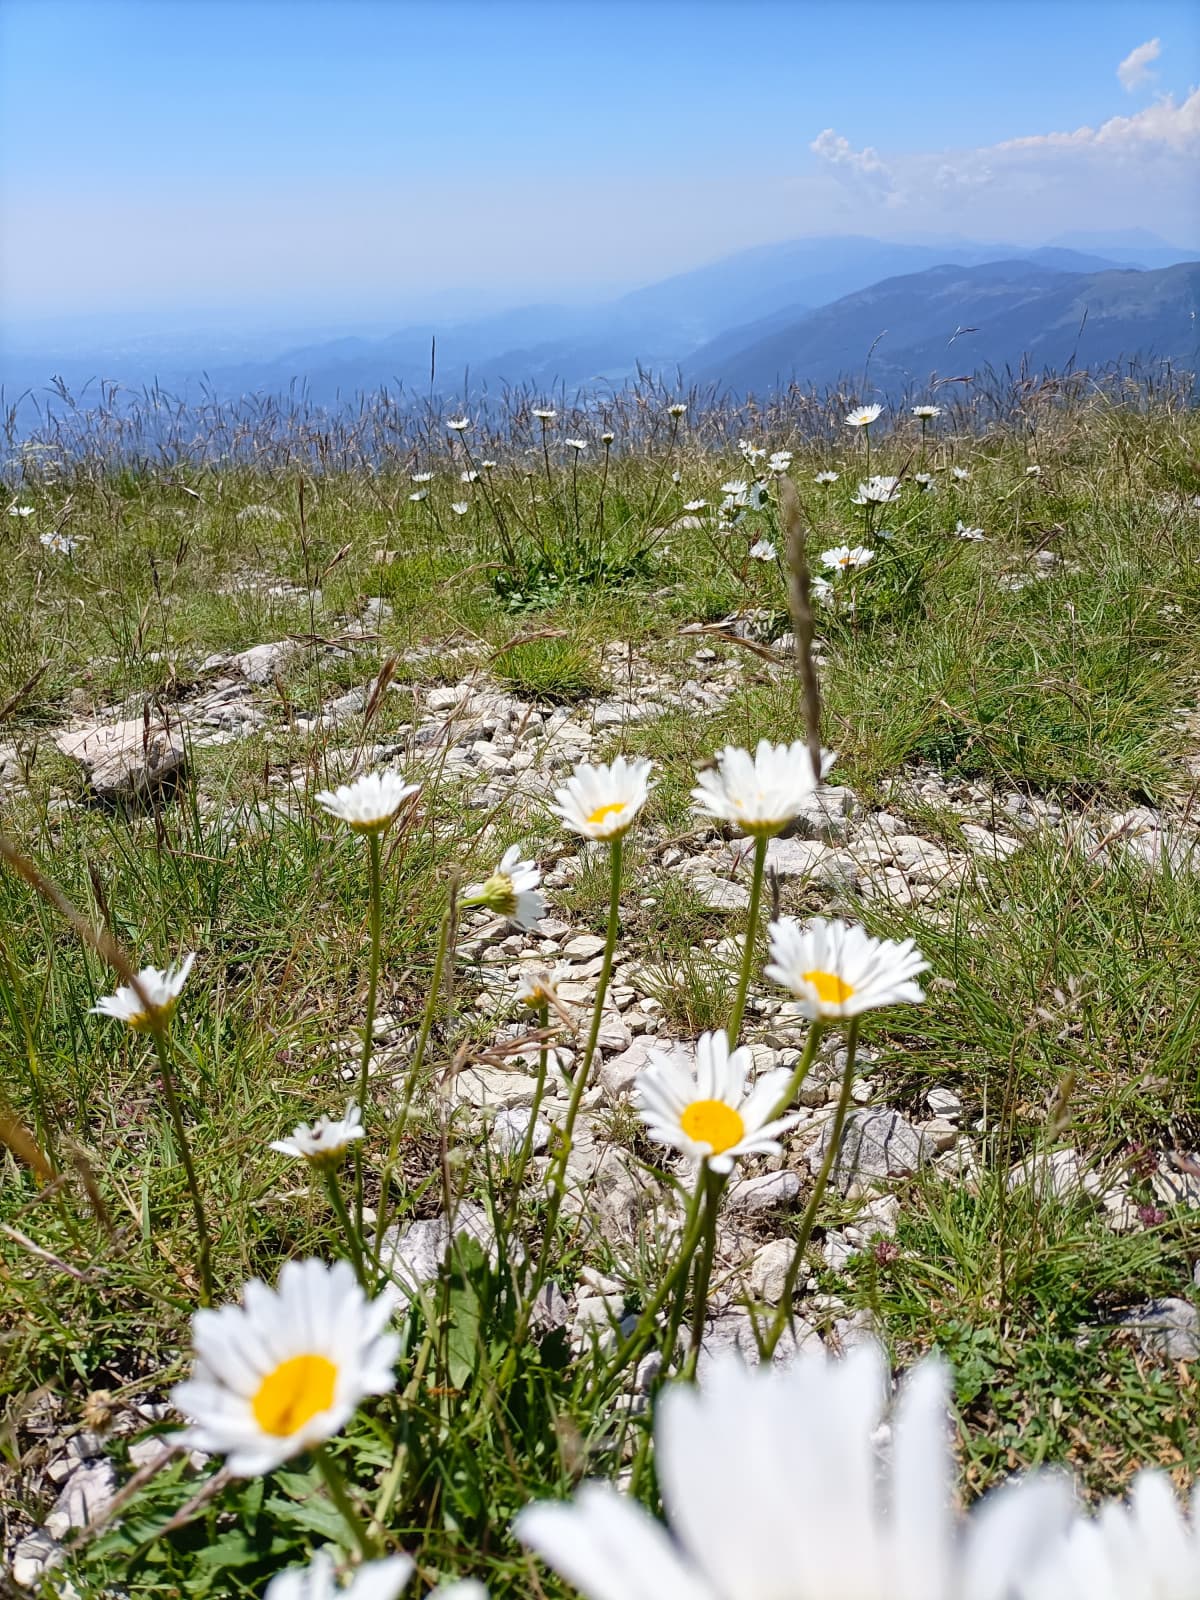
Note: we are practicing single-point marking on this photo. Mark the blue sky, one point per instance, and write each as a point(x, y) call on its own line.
point(272, 156)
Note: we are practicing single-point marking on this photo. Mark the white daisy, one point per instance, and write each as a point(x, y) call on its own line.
point(772, 1488)
point(1033, 472)
point(752, 452)
point(694, 505)
point(736, 487)
point(511, 891)
point(963, 532)
point(374, 1580)
point(927, 413)
point(864, 416)
point(764, 550)
point(468, 477)
point(421, 477)
point(925, 481)
point(835, 970)
point(825, 477)
point(843, 557)
point(756, 497)
point(575, 444)
point(602, 802)
point(677, 476)
point(419, 494)
point(961, 473)
point(880, 490)
point(458, 424)
point(369, 804)
point(822, 590)
point(459, 507)
point(607, 438)
point(59, 543)
point(677, 409)
point(20, 511)
point(1144, 1550)
point(285, 1370)
point(536, 989)
point(780, 461)
point(708, 1114)
point(326, 1141)
point(488, 465)
point(544, 413)
point(760, 793)
point(162, 990)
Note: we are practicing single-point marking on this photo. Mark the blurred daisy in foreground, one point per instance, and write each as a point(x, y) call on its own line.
point(326, 1140)
point(374, 1580)
point(764, 550)
point(369, 804)
point(961, 473)
point(844, 556)
point(468, 477)
point(162, 991)
point(877, 491)
point(20, 511)
point(772, 1489)
point(460, 507)
point(419, 494)
point(602, 802)
point(760, 793)
point(864, 416)
point(925, 481)
point(708, 1114)
point(1145, 1549)
point(511, 891)
point(963, 532)
point(780, 461)
point(284, 1370)
point(836, 970)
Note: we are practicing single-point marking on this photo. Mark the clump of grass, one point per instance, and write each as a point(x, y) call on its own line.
point(552, 669)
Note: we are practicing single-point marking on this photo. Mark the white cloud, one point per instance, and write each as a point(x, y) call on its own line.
point(1134, 71)
point(1167, 125)
point(864, 166)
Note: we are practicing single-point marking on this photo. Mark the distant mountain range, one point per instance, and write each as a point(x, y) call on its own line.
point(809, 309)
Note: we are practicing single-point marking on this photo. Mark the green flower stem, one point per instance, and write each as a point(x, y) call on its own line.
point(414, 1071)
point(374, 858)
point(803, 1068)
point(340, 1495)
point(585, 1067)
point(783, 1314)
point(739, 1004)
point(631, 1348)
point(353, 1236)
point(539, 1090)
point(167, 1077)
point(714, 1186)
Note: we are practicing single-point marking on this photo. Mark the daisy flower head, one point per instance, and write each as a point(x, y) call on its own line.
point(575, 444)
point(1145, 1549)
point(760, 793)
point(536, 989)
point(678, 408)
point(709, 1113)
point(460, 507)
point(458, 424)
point(468, 477)
point(844, 556)
point(751, 452)
point(764, 550)
point(371, 803)
point(421, 477)
point(756, 497)
point(1033, 472)
point(285, 1369)
point(602, 802)
point(780, 461)
point(545, 413)
point(419, 494)
point(60, 543)
point(927, 413)
point(925, 481)
point(864, 416)
point(963, 532)
point(511, 891)
point(836, 970)
point(374, 1580)
point(825, 477)
point(822, 590)
point(488, 465)
point(326, 1140)
point(607, 438)
point(20, 511)
point(737, 487)
point(162, 991)
point(961, 473)
point(881, 490)
point(694, 505)
point(772, 1490)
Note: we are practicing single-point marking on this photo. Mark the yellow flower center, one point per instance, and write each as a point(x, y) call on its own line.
point(293, 1394)
point(601, 812)
point(714, 1123)
point(831, 990)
